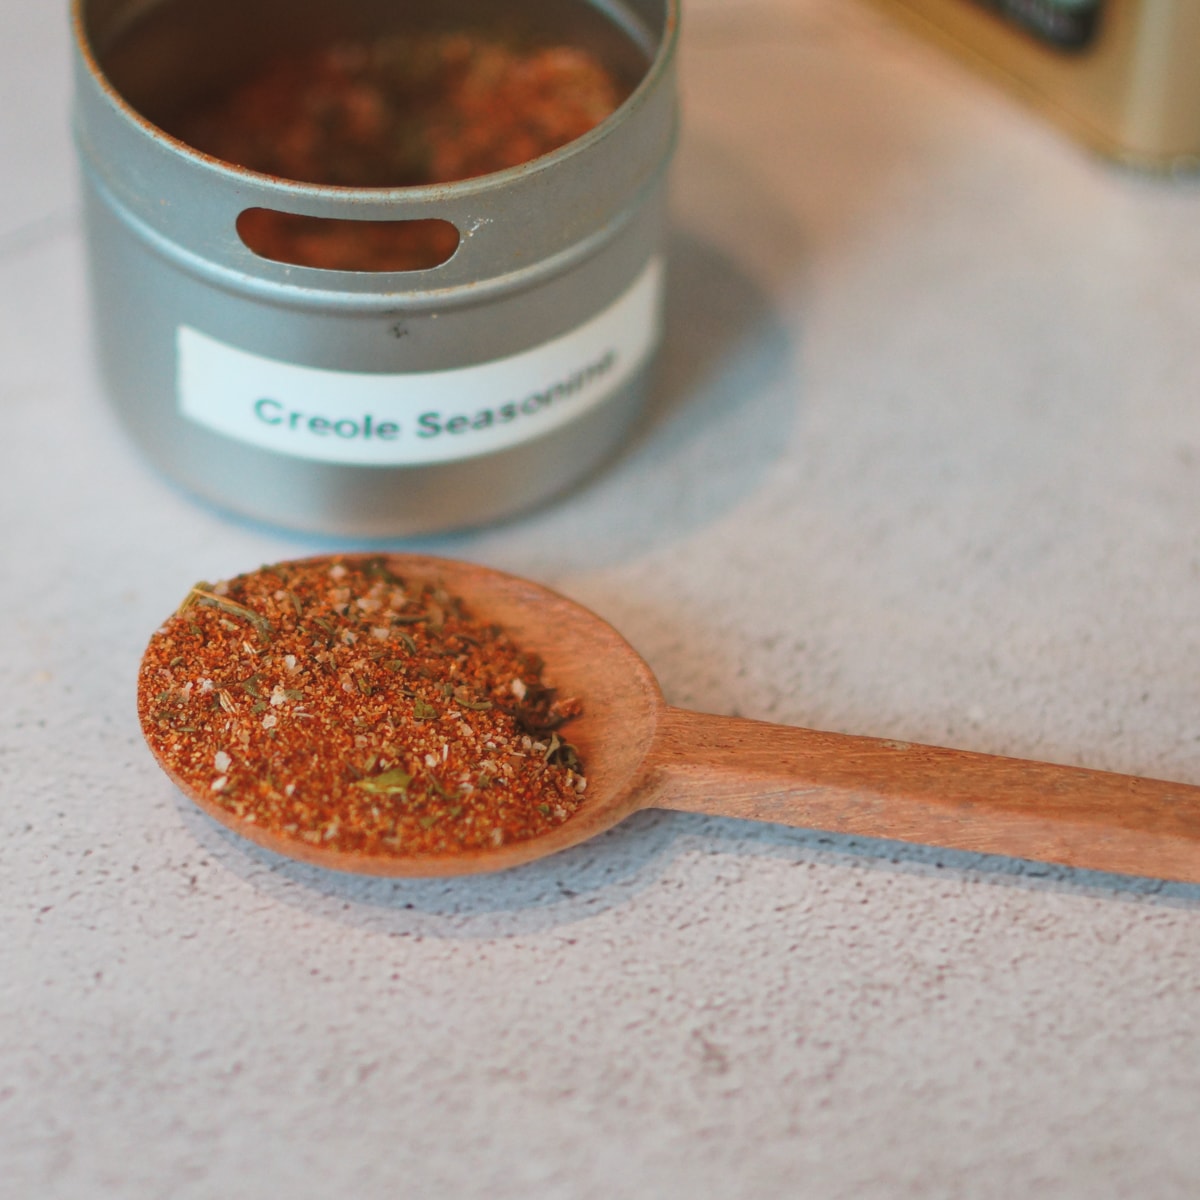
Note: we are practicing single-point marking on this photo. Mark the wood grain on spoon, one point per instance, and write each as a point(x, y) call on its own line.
point(638, 753)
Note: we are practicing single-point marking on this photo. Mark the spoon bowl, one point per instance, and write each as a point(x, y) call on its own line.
point(583, 655)
point(639, 752)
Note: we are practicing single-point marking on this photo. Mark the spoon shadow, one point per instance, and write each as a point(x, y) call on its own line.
point(614, 869)
point(596, 877)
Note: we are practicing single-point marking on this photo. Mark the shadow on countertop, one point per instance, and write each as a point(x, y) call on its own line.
point(724, 397)
point(608, 872)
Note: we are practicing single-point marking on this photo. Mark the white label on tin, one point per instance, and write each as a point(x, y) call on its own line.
point(418, 417)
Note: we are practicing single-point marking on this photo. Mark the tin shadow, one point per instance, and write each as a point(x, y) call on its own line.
point(724, 395)
point(723, 400)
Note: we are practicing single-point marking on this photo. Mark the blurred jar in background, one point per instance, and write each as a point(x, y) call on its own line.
point(1122, 76)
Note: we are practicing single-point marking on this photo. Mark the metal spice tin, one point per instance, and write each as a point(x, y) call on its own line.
point(370, 403)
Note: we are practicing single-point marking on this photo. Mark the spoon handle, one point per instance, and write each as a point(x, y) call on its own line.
point(840, 783)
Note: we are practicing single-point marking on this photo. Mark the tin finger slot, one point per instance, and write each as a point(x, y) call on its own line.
point(346, 244)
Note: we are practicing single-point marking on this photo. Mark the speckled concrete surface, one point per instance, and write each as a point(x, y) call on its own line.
point(925, 463)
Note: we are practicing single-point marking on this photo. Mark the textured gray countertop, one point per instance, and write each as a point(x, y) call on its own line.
point(924, 463)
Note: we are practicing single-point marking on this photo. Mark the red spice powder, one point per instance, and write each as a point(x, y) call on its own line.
point(333, 703)
point(397, 111)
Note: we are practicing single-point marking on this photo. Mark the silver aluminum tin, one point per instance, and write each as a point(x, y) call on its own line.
point(545, 246)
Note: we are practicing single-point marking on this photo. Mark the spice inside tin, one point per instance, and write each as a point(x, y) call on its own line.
point(399, 110)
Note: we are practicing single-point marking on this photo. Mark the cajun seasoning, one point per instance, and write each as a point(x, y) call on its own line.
point(396, 111)
point(336, 705)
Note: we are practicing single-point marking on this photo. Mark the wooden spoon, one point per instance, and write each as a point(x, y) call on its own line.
point(639, 752)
